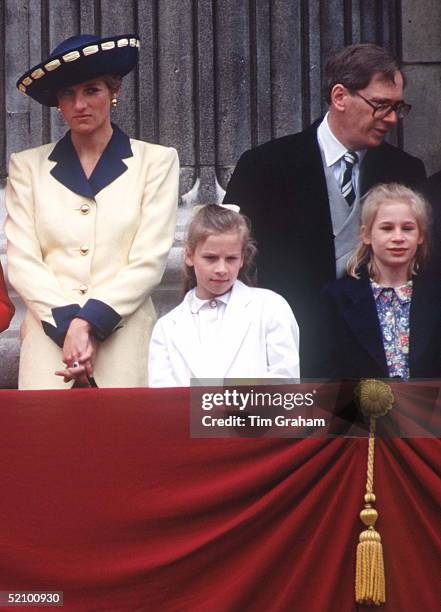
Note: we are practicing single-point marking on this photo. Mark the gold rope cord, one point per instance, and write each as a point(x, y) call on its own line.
point(371, 456)
point(375, 399)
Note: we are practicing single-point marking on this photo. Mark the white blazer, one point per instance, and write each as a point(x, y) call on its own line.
point(259, 339)
point(94, 248)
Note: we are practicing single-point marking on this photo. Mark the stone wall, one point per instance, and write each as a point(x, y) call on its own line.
point(215, 78)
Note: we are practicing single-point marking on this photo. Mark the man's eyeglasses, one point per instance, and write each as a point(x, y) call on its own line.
point(380, 111)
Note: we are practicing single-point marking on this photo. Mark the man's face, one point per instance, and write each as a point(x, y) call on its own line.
point(359, 127)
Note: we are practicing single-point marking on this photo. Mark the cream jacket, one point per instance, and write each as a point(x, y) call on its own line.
point(260, 339)
point(91, 248)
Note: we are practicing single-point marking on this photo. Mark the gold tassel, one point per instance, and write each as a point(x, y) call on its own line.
point(375, 399)
point(370, 583)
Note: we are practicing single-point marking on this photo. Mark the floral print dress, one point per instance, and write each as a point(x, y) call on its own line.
point(393, 308)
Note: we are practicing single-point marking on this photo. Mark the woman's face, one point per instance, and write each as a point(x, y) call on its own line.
point(86, 106)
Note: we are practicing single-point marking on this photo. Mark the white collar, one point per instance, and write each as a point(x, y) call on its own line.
point(196, 303)
point(332, 148)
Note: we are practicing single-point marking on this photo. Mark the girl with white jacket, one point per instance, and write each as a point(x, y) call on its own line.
point(223, 328)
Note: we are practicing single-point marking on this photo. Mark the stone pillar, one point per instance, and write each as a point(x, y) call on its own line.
point(421, 52)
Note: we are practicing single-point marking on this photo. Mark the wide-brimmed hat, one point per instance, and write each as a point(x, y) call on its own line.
point(78, 59)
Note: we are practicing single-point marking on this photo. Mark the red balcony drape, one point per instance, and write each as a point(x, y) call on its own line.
point(104, 495)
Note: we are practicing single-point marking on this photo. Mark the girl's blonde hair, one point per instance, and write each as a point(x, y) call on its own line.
point(214, 219)
point(362, 255)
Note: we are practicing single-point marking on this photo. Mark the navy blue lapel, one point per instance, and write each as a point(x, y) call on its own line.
point(69, 172)
point(425, 314)
point(110, 165)
point(361, 316)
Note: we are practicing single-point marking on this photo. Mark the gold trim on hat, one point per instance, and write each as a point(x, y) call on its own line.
point(53, 65)
point(91, 49)
point(106, 46)
point(71, 56)
point(37, 74)
point(22, 88)
point(27, 81)
point(123, 42)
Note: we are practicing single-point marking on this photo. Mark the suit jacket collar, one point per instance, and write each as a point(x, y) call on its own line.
point(333, 150)
point(303, 159)
point(237, 321)
point(372, 163)
point(361, 316)
point(372, 167)
point(235, 327)
point(69, 172)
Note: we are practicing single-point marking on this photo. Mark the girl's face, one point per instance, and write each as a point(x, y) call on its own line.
point(394, 237)
point(217, 261)
point(86, 106)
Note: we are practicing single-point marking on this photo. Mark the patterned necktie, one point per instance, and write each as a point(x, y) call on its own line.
point(347, 188)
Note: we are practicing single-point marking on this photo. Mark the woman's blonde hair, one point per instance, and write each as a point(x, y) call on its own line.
point(362, 255)
point(214, 219)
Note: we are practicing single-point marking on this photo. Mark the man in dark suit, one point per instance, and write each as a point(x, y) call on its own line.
point(302, 192)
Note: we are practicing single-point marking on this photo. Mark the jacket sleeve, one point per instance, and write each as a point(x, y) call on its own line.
point(160, 369)
point(120, 298)
point(6, 307)
point(282, 341)
point(28, 273)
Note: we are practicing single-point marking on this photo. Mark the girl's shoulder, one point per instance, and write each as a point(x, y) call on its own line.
point(346, 283)
point(346, 291)
point(262, 296)
point(428, 283)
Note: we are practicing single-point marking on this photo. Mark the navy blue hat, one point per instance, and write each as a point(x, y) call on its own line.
point(77, 59)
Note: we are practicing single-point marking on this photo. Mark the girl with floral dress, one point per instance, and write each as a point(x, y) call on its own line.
point(384, 319)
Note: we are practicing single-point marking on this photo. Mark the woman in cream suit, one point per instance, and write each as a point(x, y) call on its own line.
point(90, 222)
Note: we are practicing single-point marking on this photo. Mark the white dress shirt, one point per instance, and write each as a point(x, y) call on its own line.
point(333, 151)
point(208, 316)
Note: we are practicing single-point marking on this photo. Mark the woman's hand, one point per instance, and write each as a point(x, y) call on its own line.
point(79, 347)
point(76, 372)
